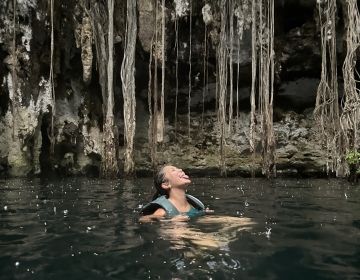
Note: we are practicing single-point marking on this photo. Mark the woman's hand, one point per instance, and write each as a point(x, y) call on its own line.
point(180, 218)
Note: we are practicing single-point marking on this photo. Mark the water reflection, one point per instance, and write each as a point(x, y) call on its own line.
point(205, 233)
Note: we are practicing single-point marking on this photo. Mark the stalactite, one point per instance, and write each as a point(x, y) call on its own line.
point(350, 116)
point(231, 68)
point(14, 73)
point(152, 143)
point(222, 64)
point(207, 17)
point(128, 85)
point(326, 112)
point(243, 17)
point(86, 48)
point(190, 69)
point(181, 9)
point(109, 167)
point(99, 18)
point(51, 80)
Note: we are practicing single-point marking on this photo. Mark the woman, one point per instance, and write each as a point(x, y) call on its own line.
point(170, 199)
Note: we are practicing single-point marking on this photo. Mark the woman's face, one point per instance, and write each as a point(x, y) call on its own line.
point(175, 177)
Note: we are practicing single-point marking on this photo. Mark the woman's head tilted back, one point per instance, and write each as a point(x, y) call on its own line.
point(158, 180)
point(169, 177)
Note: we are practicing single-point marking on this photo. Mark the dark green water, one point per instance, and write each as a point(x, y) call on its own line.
point(88, 229)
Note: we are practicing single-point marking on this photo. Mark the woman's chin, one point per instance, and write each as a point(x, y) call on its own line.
point(187, 182)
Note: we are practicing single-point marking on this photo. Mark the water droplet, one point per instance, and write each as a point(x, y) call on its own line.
point(5, 208)
point(267, 233)
point(17, 264)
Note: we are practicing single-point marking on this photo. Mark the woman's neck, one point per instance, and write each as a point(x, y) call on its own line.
point(178, 198)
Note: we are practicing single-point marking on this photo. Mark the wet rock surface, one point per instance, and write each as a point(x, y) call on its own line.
point(25, 147)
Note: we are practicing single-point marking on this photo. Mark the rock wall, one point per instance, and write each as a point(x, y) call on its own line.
point(25, 115)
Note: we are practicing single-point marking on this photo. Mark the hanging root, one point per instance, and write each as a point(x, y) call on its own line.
point(14, 74)
point(190, 68)
point(51, 80)
point(326, 111)
point(350, 117)
point(222, 68)
point(128, 81)
point(162, 105)
point(253, 85)
point(176, 73)
point(263, 61)
point(231, 69)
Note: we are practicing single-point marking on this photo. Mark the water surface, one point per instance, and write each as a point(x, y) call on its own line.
point(88, 229)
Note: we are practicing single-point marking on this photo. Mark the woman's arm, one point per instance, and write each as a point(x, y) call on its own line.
point(159, 214)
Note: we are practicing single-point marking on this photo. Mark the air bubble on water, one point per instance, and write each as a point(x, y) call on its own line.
point(246, 203)
point(5, 208)
point(17, 264)
point(66, 212)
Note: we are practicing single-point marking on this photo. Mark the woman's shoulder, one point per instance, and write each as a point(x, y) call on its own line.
point(159, 203)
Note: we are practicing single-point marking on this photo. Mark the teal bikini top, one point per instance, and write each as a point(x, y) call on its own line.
point(197, 207)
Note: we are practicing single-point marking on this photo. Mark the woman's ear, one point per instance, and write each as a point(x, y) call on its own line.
point(166, 185)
